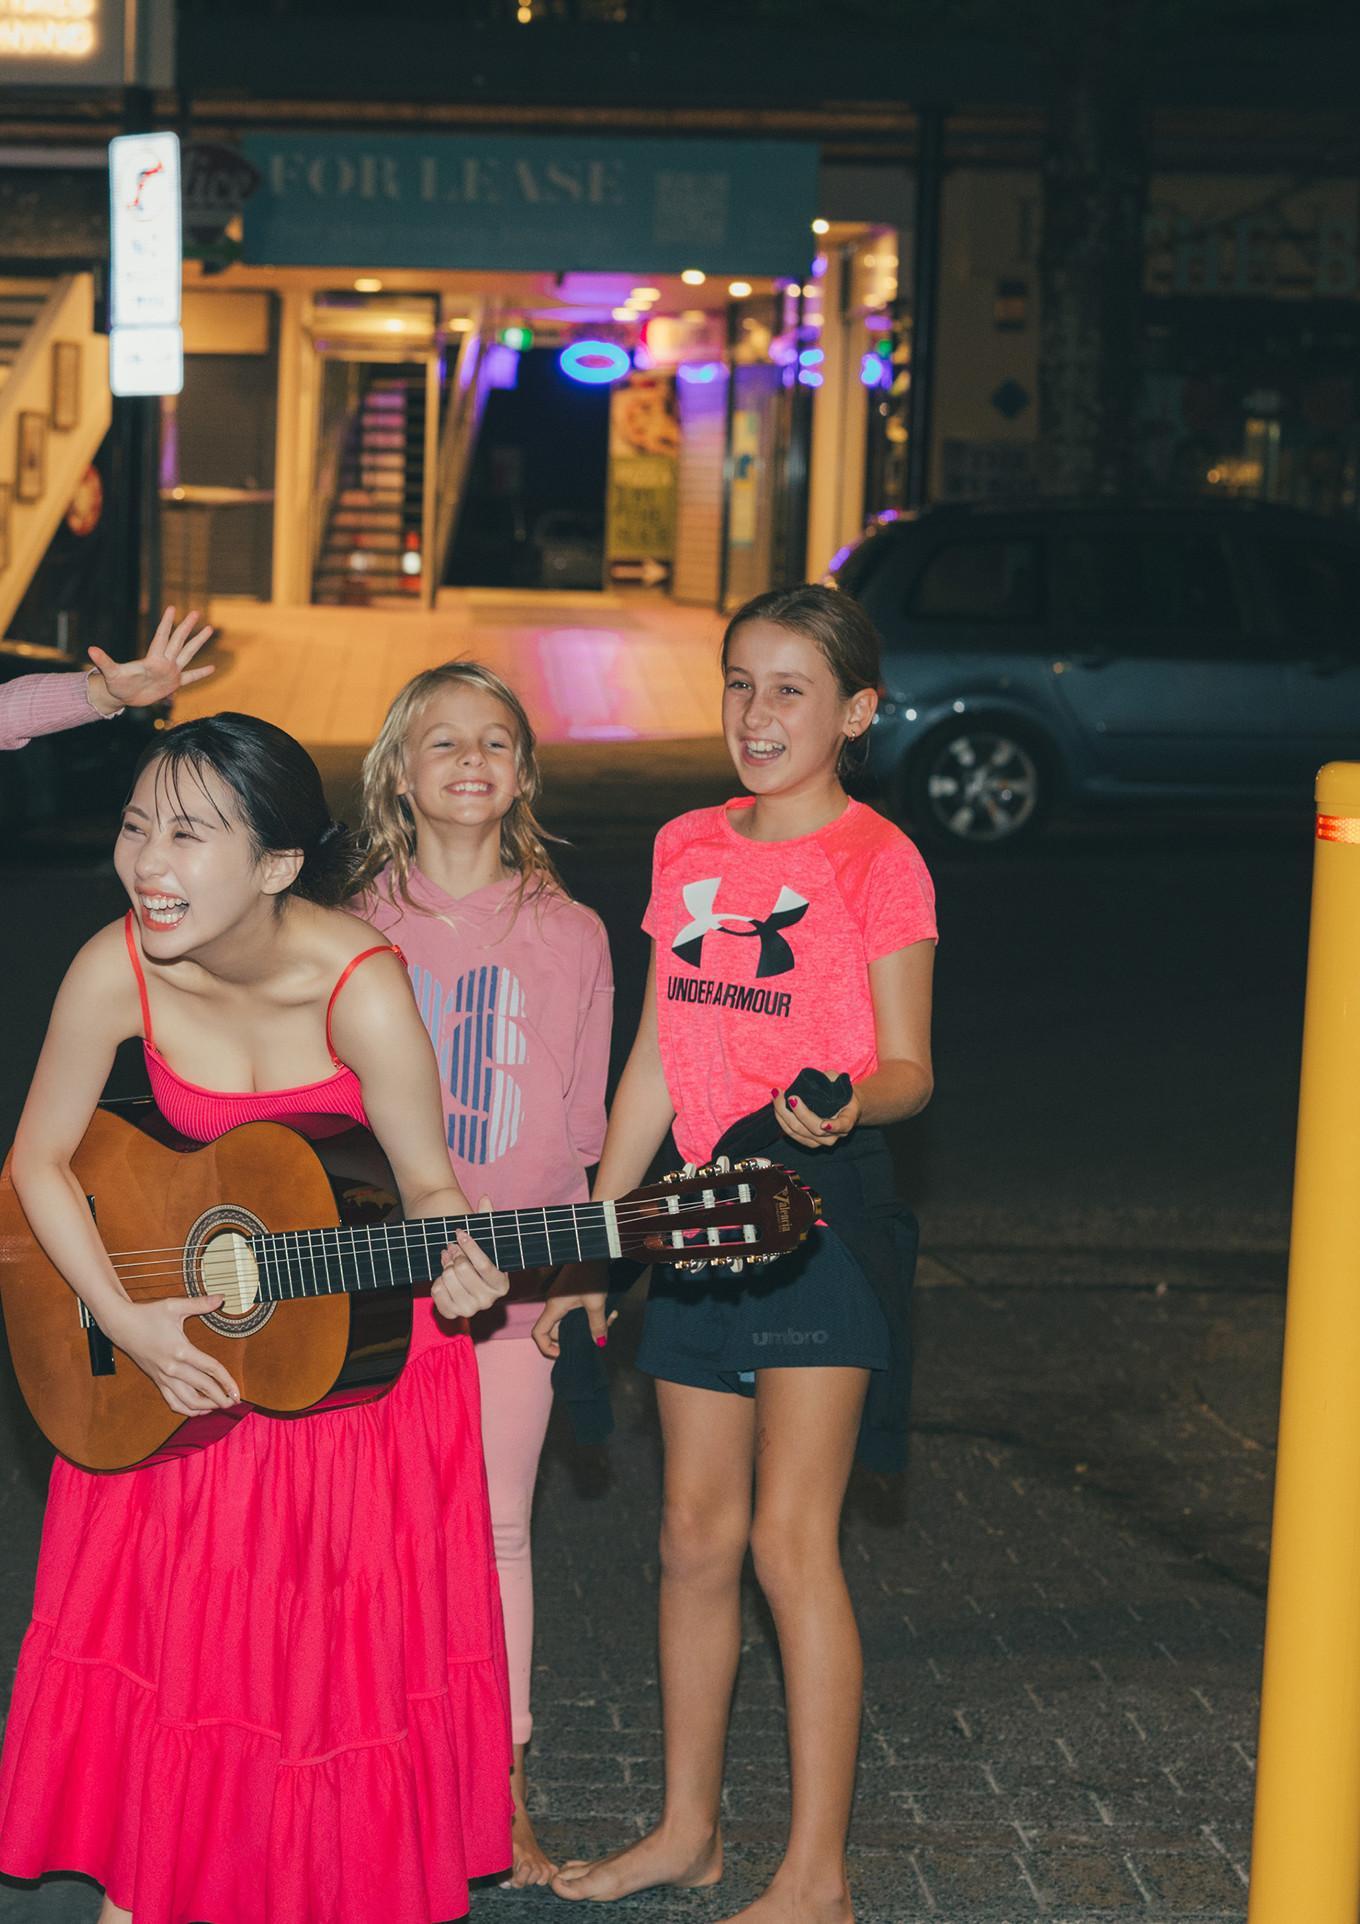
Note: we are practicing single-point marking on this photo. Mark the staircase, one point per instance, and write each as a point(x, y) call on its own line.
point(371, 545)
point(36, 316)
point(21, 302)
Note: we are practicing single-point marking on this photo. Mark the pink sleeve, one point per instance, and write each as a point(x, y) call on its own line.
point(590, 1068)
point(42, 705)
point(661, 851)
point(900, 901)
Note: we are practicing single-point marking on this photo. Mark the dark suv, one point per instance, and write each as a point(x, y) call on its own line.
point(1091, 653)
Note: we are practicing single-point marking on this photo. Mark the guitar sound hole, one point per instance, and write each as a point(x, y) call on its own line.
point(219, 1261)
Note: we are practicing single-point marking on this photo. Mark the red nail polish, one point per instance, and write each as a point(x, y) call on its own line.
point(774, 1092)
point(600, 1341)
point(793, 1102)
point(826, 1126)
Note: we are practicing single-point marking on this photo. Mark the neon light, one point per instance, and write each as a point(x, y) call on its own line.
point(872, 370)
point(809, 377)
point(594, 363)
point(700, 373)
point(811, 357)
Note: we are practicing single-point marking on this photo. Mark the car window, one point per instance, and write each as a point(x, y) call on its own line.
point(1315, 588)
point(1165, 587)
point(991, 579)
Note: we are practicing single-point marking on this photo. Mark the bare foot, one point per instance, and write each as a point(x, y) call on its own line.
point(111, 1913)
point(658, 1859)
point(531, 1864)
point(784, 1903)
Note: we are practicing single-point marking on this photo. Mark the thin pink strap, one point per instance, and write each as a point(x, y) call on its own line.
point(131, 941)
point(383, 948)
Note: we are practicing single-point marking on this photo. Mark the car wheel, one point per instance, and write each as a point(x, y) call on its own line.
point(976, 787)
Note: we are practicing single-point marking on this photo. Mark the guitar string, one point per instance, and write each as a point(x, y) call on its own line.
point(626, 1212)
point(412, 1239)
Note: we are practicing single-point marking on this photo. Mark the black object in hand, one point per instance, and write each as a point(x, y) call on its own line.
point(824, 1095)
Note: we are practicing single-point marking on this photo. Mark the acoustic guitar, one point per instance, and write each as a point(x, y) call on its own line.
point(316, 1282)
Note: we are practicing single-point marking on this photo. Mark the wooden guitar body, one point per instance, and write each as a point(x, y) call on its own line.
point(164, 1204)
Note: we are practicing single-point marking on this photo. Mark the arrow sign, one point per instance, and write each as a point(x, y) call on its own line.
point(647, 571)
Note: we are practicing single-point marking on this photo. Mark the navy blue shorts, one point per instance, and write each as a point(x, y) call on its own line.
point(814, 1308)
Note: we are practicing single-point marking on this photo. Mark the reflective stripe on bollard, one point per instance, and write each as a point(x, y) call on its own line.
point(1306, 1845)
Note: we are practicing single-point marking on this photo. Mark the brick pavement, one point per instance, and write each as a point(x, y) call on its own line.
point(1061, 1689)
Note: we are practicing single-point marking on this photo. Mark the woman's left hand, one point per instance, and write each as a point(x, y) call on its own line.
point(162, 669)
point(811, 1131)
point(469, 1281)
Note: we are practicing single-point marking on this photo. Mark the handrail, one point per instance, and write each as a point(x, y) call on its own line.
point(457, 441)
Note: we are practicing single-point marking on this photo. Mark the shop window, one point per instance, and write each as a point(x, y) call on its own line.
point(987, 580)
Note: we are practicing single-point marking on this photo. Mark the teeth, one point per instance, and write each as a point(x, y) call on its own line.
point(764, 748)
point(472, 788)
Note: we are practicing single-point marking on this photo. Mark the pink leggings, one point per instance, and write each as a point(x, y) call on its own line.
point(516, 1401)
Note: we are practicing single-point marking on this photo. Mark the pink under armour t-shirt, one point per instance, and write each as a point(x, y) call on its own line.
point(763, 953)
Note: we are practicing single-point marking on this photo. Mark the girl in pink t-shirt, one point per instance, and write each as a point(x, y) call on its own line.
point(513, 980)
point(792, 928)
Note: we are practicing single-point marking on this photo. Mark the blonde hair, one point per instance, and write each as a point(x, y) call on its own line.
point(389, 828)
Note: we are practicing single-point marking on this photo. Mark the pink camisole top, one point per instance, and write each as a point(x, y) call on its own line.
point(204, 1114)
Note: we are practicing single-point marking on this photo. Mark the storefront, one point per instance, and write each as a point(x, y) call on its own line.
point(523, 363)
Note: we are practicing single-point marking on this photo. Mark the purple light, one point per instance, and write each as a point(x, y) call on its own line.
point(642, 360)
point(811, 357)
point(819, 267)
point(809, 377)
point(782, 353)
point(700, 373)
point(501, 365)
point(594, 363)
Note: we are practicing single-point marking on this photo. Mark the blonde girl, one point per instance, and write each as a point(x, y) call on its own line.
point(514, 984)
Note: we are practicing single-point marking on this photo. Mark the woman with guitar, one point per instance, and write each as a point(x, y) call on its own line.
point(265, 1682)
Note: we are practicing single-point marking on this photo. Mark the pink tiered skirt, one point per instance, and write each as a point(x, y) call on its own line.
point(265, 1684)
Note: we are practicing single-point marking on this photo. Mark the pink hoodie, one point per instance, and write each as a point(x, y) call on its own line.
point(519, 1004)
point(43, 705)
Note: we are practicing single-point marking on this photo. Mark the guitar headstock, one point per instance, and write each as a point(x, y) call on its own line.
point(718, 1213)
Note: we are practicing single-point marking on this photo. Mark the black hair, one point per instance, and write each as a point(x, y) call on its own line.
point(278, 791)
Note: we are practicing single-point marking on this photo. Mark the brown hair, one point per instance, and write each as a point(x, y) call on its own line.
point(840, 628)
point(389, 829)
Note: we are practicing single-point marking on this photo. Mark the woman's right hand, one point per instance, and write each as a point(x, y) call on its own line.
point(155, 1337)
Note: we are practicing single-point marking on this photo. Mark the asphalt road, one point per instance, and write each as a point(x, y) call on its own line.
point(1103, 1182)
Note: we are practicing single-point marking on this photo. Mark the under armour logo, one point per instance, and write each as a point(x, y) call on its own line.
point(776, 957)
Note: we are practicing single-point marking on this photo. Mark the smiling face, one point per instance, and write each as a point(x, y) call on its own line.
point(461, 760)
point(784, 716)
point(186, 858)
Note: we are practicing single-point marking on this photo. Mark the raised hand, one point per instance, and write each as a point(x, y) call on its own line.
point(162, 669)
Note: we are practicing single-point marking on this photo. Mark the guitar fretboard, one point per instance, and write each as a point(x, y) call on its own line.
point(344, 1261)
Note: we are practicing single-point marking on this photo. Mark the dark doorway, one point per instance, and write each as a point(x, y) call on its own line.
point(534, 516)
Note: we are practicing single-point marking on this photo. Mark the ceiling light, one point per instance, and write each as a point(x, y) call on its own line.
point(694, 277)
point(645, 295)
point(368, 284)
point(624, 314)
point(821, 227)
point(739, 290)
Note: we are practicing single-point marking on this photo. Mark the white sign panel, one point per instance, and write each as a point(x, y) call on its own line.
point(145, 240)
point(146, 360)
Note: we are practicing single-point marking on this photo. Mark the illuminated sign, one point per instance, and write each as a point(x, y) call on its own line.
point(146, 350)
point(97, 43)
point(595, 363)
point(49, 29)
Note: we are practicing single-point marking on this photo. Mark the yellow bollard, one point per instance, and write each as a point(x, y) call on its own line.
point(1306, 1847)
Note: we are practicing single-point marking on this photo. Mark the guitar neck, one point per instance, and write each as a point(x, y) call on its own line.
point(344, 1261)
